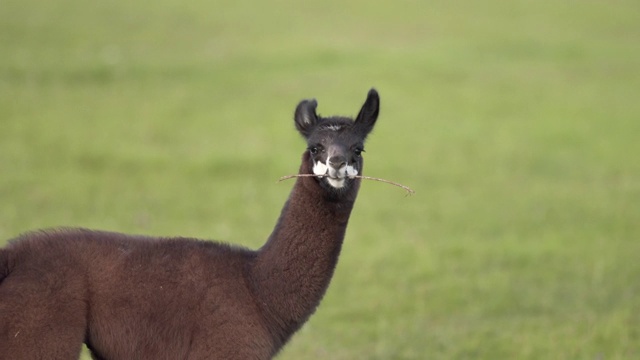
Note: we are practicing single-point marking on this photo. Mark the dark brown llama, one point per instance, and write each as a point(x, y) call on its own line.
point(134, 297)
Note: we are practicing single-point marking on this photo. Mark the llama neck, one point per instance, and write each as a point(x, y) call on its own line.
point(293, 269)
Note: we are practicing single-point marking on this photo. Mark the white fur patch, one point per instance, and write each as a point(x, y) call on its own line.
point(351, 171)
point(336, 183)
point(336, 178)
point(334, 127)
point(320, 168)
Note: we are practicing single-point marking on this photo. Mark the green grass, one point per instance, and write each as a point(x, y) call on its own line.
point(517, 123)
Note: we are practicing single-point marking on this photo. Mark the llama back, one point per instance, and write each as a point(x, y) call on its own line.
point(105, 262)
point(4, 265)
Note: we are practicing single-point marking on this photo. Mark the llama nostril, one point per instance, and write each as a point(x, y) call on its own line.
point(337, 162)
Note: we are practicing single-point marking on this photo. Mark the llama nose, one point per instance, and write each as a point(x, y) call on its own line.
point(337, 162)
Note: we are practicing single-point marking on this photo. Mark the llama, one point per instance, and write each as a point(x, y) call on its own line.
point(137, 297)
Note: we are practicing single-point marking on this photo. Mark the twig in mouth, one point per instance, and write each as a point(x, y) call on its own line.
point(405, 188)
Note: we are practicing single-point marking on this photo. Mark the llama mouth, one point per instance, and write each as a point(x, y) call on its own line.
point(335, 178)
point(322, 170)
point(336, 182)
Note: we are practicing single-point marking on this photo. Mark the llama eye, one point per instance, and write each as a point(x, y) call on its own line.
point(358, 151)
point(315, 149)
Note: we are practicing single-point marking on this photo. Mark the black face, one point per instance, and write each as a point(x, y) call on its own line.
point(335, 144)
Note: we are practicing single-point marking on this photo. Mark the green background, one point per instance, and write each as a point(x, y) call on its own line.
point(516, 122)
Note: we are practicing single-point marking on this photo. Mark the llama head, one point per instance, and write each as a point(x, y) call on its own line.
point(335, 144)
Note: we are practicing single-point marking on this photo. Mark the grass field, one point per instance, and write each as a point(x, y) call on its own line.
point(517, 123)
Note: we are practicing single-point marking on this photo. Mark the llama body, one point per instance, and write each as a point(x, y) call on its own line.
point(136, 297)
point(127, 298)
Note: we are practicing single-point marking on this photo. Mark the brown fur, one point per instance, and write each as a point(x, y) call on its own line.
point(136, 297)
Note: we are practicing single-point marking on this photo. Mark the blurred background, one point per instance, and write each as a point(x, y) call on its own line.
point(516, 122)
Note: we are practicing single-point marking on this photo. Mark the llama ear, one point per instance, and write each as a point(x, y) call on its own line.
point(369, 113)
point(305, 116)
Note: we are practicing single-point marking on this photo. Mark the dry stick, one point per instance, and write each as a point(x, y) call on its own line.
point(406, 188)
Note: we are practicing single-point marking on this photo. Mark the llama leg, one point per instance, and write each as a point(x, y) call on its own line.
point(40, 319)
